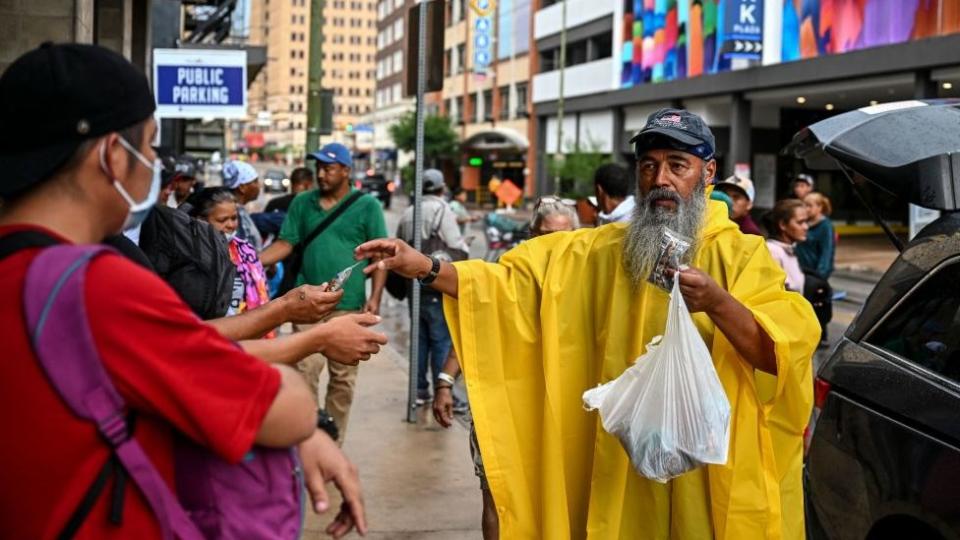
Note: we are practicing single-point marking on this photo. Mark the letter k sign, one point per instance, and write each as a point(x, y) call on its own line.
point(746, 14)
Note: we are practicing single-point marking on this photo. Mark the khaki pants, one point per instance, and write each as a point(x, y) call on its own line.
point(340, 387)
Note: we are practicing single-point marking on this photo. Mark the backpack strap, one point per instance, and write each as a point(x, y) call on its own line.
point(56, 315)
point(14, 242)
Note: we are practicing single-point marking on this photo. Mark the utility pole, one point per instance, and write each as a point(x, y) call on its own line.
point(314, 76)
point(417, 210)
point(563, 62)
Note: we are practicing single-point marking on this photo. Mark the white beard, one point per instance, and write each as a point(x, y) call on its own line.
point(641, 247)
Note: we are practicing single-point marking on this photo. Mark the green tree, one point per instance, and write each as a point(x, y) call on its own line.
point(439, 137)
point(576, 168)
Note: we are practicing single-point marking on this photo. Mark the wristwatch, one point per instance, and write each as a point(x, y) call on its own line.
point(326, 423)
point(433, 273)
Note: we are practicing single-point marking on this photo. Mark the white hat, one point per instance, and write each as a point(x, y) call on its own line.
point(745, 185)
point(238, 173)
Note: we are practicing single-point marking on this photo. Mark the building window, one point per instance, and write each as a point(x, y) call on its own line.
point(504, 102)
point(398, 29)
point(521, 104)
point(458, 110)
point(461, 65)
point(398, 61)
point(599, 47)
point(487, 105)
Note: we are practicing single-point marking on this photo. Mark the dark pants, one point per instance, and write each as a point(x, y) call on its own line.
point(434, 339)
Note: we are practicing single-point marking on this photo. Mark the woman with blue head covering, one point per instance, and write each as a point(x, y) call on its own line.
point(244, 181)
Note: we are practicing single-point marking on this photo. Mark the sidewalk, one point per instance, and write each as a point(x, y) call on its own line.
point(418, 479)
point(864, 257)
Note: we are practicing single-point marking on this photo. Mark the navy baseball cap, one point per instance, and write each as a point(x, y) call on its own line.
point(677, 129)
point(333, 153)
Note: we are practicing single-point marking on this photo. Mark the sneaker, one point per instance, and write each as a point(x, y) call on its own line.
point(423, 396)
point(460, 406)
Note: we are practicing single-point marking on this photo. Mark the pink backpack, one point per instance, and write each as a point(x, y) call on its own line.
point(259, 498)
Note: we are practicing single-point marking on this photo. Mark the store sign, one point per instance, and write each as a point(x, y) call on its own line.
point(743, 29)
point(482, 35)
point(200, 83)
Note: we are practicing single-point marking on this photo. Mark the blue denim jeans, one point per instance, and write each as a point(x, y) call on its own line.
point(435, 340)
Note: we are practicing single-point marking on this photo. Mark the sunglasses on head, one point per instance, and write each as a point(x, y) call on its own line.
point(552, 199)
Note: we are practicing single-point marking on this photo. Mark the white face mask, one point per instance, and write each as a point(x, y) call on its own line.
point(230, 235)
point(138, 210)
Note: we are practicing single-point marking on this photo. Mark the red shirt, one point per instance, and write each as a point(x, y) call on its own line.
point(174, 371)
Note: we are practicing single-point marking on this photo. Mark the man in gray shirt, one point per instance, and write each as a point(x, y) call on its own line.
point(438, 220)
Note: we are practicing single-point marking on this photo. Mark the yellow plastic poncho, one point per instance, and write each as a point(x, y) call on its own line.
point(557, 316)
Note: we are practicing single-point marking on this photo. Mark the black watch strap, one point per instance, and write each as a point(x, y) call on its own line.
point(326, 423)
point(433, 273)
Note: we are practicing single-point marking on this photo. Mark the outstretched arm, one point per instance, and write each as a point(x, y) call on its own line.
point(398, 256)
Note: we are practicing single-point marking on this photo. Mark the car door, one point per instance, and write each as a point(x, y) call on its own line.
point(887, 443)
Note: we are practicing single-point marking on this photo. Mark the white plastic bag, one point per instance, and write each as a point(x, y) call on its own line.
point(668, 409)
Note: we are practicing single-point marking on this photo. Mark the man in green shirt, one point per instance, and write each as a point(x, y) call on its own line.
point(329, 253)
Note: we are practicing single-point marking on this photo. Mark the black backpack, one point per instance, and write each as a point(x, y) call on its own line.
point(192, 257)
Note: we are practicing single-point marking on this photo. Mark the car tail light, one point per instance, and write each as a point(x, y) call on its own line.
point(820, 390)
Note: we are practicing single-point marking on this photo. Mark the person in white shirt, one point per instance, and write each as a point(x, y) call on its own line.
point(613, 190)
point(440, 220)
point(786, 225)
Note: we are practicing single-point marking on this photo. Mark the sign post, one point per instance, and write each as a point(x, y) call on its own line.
point(200, 83)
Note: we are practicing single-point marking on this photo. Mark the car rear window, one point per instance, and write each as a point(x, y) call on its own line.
point(925, 327)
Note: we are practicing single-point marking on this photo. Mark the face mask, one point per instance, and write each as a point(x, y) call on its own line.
point(138, 210)
point(230, 235)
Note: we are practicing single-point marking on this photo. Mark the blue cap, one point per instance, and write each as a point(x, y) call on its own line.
point(677, 129)
point(333, 153)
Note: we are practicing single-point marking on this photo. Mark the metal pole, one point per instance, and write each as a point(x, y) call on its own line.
point(417, 212)
point(314, 72)
point(563, 62)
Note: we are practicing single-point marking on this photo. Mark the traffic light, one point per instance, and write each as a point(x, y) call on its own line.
point(349, 128)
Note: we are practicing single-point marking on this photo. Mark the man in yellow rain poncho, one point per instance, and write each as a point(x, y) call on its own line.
point(565, 312)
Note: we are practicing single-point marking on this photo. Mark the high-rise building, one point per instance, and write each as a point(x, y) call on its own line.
point(486, 89)
point(391, 69)
point(278, 97)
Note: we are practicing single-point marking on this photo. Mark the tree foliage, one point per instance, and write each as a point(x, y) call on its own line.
point(577, 167)
point(439, 137)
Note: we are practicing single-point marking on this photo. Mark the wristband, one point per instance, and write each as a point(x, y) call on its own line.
point(433, 273)
point(326, 423)
point(447, 378)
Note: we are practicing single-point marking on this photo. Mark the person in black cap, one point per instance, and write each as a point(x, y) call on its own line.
point(184, 180)
point(438, 221)
point(565, 312)
point(76, 123)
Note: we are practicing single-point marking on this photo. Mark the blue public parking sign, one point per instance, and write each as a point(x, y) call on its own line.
point(197, 83)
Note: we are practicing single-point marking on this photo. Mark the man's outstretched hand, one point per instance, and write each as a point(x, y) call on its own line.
point(396, 255)
point(308, 304)
point(323, 462)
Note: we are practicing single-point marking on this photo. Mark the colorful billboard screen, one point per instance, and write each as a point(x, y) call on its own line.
point(813, 28)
